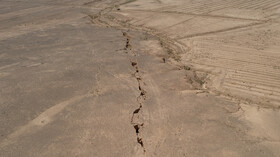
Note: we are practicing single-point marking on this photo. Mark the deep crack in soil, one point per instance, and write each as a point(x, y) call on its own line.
point(138, 126)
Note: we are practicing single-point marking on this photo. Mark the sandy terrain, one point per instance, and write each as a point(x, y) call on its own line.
point(140, 78)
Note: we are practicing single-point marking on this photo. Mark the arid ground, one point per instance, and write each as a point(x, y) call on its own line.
point(133, 78)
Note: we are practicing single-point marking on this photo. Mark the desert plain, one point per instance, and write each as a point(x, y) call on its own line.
point(133, 78)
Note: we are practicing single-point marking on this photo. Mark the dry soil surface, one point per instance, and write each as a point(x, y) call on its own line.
point(140, 78)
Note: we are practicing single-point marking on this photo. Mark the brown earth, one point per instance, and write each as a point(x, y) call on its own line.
point(140, 78)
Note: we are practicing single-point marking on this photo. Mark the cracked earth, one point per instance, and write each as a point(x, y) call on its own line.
point(139, 78)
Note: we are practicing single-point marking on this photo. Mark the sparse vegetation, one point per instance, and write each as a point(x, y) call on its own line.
point(187, 67)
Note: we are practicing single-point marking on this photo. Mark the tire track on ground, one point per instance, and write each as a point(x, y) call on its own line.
point(222, 30)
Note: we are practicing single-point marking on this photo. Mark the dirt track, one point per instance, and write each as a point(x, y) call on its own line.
point(140, 78)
